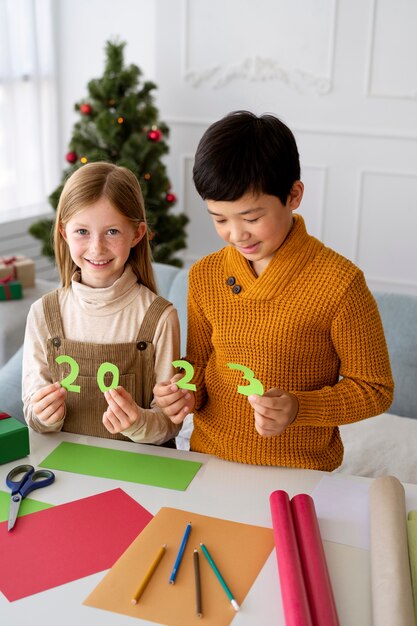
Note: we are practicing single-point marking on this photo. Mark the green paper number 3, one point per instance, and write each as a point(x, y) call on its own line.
point(104, 369)
point(255, 386)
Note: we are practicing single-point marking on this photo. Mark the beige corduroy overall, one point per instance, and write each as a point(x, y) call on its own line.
point(135, 361)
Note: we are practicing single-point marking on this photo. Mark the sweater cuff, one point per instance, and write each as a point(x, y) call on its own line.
point(138, 425)
point(310, 407)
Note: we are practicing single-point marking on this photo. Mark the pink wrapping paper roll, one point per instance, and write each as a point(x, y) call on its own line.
point(293, 590)
point(313, 561)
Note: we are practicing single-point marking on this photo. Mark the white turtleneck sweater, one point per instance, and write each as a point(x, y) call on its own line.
point(108, 315)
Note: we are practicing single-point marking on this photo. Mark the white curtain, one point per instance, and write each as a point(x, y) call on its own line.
point(28, 108)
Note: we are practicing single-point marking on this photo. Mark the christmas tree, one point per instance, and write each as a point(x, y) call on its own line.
point(119, 123)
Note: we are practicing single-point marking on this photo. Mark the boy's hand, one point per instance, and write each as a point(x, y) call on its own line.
point(274, 411)
point(175, 402)
point(48, 404)
point(122, 411)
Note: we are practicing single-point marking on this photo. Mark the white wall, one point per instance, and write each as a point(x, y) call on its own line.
point(82, 29)
point(341, 74)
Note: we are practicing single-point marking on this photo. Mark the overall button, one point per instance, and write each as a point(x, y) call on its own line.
point(141, 345)
point(56, 342)
point(231, 281)
point(237, 289)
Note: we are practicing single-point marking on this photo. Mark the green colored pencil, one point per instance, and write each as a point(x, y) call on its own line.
point(219, 577)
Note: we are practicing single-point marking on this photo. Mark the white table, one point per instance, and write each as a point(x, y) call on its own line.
point(227, 490)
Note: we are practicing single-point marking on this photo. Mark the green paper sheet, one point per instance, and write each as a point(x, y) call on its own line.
point(412, 553)
point(133, 467)
point(27, 506)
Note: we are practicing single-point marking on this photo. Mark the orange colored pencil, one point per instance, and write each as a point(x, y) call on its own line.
point(149, 574)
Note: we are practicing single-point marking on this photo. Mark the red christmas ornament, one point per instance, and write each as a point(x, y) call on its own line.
point(86, 108)
point(155, 134)
point(71, 157)
point(171, 197)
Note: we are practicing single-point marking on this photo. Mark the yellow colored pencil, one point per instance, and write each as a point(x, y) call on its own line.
point(149, 574)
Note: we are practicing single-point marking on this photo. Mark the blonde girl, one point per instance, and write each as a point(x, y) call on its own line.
point(95, 347)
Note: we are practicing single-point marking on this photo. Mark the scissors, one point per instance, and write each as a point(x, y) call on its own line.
point(20, 488)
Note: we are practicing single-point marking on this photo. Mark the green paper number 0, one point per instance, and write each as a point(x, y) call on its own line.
point(104, 369)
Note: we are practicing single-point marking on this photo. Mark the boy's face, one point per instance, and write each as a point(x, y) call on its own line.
point(256, 225)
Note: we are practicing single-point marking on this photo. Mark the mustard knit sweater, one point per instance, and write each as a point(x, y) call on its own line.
point(308, 324)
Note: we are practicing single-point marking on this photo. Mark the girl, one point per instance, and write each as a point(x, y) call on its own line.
point(106, 320)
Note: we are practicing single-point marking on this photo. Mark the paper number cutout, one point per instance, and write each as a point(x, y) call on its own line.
point(255, 386)
point(184, 383)
point(75, 368)
point(102, 370)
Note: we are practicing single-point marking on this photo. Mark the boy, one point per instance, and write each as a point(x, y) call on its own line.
point(279, 302)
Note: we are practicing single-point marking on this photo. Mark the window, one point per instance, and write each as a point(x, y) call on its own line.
point(28, 108)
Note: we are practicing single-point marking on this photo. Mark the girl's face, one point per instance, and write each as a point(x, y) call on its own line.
point(256, 225)
point(99, 239)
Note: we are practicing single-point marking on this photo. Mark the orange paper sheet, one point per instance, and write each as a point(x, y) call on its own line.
point(239, 551)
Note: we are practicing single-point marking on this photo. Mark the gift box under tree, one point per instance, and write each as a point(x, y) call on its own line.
point(18, 268)
point(14, 439)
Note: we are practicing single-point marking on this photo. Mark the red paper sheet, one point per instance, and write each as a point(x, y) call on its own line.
point(293, 590)
point(67, 542)
point(313, 559)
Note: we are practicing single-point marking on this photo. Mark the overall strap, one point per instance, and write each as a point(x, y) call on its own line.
point(145, 348)
point(50, 302)
point(151, 319)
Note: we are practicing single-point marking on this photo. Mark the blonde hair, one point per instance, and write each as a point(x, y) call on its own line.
point(121, 187)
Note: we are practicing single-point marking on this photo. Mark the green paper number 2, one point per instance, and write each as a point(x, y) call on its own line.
point(255, 386)
point(74, 369)
point(184, 383)
point(104, 368)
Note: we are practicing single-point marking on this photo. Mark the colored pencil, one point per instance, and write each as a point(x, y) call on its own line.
point(197, 584)
point(149, 574)
point(219, 577)
point(179, 555)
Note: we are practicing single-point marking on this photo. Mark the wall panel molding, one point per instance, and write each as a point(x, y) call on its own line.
point(392, 51)
point(281, 49)
point(385, 235)
point(342, 131)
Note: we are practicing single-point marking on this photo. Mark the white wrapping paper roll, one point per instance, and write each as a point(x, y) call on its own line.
point(392, 599)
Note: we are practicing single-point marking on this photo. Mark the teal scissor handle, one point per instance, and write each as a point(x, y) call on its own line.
point(30, 480)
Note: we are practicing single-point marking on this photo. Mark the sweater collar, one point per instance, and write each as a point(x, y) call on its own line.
point(112, 298)
point(298, 249)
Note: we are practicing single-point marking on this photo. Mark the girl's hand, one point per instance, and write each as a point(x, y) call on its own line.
point(274, 411)
point(176, 403)
point(48, 404)
point(122, 411)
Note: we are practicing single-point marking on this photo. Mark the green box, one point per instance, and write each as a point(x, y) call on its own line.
point(11, 290)
point(14, 440)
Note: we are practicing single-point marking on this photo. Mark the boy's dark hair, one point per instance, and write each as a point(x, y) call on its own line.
point(244, 153)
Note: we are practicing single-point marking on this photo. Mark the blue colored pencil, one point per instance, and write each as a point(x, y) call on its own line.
point(179, 555)
point(219, 577)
